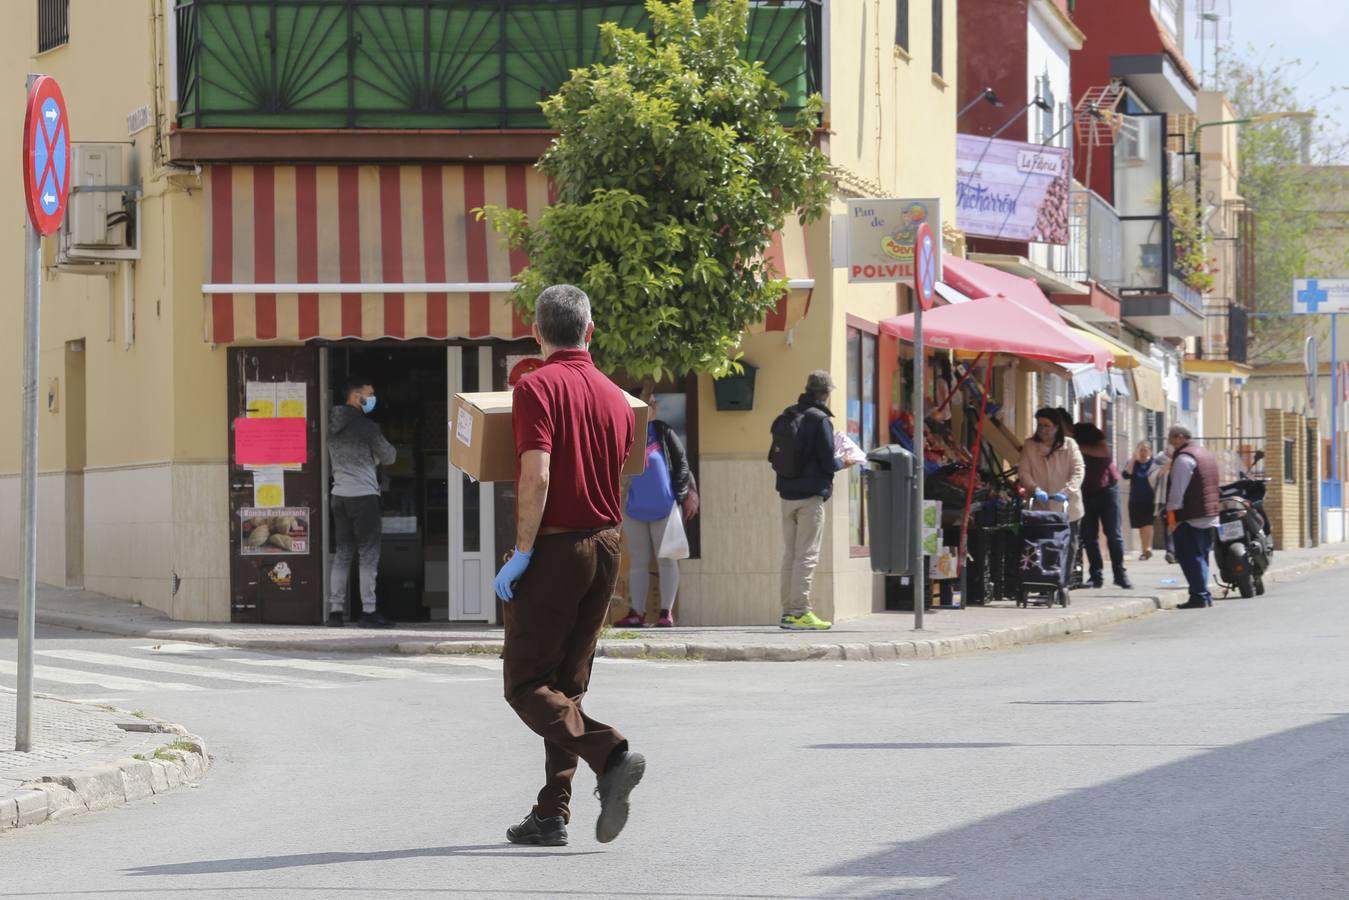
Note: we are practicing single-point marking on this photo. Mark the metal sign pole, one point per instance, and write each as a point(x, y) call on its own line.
point(1334, 399)
point(919, 576)
point(23, 721)
point(46, 182)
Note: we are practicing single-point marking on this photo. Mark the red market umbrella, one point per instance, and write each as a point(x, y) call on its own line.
point(997, 324)
point(1006, 314)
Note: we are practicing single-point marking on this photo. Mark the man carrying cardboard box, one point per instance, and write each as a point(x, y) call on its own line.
point(574, 429)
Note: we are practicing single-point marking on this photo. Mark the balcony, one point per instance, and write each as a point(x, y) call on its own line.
point(1094, 240)
point(426, 64)
point(1156, 298)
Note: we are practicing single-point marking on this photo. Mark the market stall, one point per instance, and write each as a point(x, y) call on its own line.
point(1004, 314)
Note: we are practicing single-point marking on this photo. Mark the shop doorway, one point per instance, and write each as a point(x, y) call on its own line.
point(412, 410)
point(276, 569)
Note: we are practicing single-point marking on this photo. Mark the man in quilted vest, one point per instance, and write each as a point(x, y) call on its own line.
point(1192, 511)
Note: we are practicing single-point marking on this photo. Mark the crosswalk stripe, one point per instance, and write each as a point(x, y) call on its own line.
point(155, 665)
point(112, 682)
point(244, 658)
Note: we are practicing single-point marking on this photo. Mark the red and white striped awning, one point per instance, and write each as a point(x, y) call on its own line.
point(295, 253)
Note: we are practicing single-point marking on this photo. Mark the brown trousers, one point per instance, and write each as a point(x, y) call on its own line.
point(552, 626)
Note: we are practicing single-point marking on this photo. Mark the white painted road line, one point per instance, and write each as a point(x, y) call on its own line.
point(355, 670)
point(198, 671)
point(111, 682)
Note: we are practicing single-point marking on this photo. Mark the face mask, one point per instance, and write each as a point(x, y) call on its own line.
point(368, 404)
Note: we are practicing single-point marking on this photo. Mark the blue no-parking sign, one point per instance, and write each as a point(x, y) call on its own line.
point(46, 150)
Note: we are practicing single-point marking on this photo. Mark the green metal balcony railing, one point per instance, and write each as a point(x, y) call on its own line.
point(435, 64)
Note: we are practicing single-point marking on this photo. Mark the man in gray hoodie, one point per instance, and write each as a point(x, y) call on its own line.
point(356, 447)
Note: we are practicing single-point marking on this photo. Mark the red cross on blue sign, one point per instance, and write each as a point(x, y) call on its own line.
point(46, 148)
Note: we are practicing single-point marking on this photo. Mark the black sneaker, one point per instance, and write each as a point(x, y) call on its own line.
point(1196, 604)
point(614, 786)
point(1124, 582)
point(1170, 558)
point(375, 619)
point(335, 619)
point(548, 832)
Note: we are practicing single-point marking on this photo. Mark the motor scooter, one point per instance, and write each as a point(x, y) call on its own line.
point(1243, 545)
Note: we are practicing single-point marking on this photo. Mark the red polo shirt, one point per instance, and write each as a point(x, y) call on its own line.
point(568, 409)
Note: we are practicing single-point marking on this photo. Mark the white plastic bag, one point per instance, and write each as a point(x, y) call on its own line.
point(674, 541)
point(846, 449)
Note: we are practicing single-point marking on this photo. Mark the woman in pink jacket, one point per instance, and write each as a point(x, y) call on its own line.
point(1051, 467)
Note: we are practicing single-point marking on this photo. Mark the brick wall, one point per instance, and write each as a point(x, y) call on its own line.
point(1285, 500)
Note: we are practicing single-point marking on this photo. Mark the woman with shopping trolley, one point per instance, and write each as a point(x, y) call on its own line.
point(1051, 467)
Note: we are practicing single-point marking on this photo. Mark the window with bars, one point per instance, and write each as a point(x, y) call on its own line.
point(53, 24)
point(902, 24)
point(937, 44)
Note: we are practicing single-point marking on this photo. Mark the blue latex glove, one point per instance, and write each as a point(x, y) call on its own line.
point(1039, 496)
point(1062, 498)
point(511, 572)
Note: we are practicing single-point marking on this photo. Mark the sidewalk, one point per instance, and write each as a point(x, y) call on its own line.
point(86, 758)
point(878, 636)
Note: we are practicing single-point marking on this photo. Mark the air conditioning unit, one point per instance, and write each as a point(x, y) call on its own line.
point(102, 222)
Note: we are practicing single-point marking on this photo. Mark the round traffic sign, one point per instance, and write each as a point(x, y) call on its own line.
point(925, 265)
point(46, 155)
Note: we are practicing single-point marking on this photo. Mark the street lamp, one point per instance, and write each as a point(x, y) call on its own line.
point(1245, 120)
point(985, 94)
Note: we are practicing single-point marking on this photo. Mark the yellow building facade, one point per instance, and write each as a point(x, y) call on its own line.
point(137, 494)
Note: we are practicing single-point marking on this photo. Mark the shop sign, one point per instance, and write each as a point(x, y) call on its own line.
point(882, 234)
point(274, 532)
point(1012, 190)
point(1320, 295)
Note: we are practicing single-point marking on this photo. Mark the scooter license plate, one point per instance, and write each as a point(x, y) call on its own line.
point(1231, 531)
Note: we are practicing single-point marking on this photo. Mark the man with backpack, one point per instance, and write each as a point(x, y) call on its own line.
point(803, 456)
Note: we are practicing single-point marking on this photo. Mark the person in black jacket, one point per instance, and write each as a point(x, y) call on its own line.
point(803, 498)
point(660, 501)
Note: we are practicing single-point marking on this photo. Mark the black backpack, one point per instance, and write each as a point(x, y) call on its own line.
point(785, 452)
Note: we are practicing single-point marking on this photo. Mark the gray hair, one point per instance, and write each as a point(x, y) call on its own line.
point(562, 314)
point(1180, 431)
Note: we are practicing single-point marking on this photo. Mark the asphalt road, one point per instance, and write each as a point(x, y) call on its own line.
point(1188, 754)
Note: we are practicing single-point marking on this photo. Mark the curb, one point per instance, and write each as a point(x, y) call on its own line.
point(94, 788)
point(885, 651)
point(934, 648)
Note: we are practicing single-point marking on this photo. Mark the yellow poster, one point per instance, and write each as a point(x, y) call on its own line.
point(260, 399)
point(291, 399)
point(269, 488)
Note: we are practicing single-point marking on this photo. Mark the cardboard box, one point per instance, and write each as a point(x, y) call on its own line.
point(482, 439)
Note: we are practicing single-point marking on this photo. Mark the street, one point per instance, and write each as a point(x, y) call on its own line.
point(1191, 754)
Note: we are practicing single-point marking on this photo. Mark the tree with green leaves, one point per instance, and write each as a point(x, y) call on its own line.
point(1286, 188)
point(672, 168)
